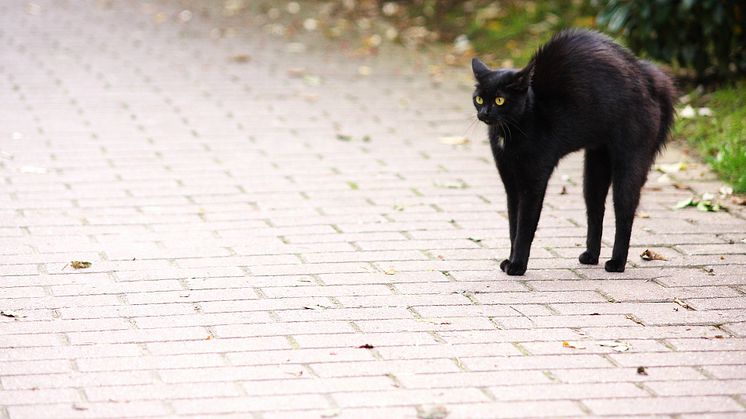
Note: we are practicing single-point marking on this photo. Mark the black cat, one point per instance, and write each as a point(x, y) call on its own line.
point(580, 90)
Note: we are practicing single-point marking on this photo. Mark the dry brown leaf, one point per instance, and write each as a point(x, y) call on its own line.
point(566, 344)
point(738, 199)
point(648, 254)
point(79, 264)
point(241, 58)
point(296, 72)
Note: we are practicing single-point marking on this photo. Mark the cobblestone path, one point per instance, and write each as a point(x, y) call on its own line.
point(275, 232)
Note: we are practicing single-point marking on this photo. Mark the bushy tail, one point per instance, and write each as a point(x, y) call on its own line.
point(664, 91)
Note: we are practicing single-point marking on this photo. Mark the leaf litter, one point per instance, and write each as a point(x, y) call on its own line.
point(705, 203)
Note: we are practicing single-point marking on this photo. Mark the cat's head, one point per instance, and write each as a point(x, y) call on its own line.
point(500, 95)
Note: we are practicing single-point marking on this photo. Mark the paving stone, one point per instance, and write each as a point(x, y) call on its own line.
point(246, 262)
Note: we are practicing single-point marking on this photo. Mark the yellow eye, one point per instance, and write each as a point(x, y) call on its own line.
point(499, 101)
point(479, 100)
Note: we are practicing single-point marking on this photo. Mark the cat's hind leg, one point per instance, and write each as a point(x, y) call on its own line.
point(628, 177)
point(596, 181)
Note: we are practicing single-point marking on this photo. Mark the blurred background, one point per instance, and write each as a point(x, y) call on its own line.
point(701, 42)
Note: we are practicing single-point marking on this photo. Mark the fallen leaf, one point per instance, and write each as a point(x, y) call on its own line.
point(617, 346)
point(454, 140)
point(456, 184)
point(648, 254)
point(390, 271)
point(348, 138)
point(634, 319)
point(77, 406)
point(78, 264)
point(738, 199)
point(641, 371)
point(690, 202)
point(354, 186)
point(563, 191)
point(688, 112)
point(437, 412)
point(11, 314)
point(331, 413)
point(708, 206)
point(684, 304)
point(366, 346)
point(643, 215)
point(474, 240)
point(704, 112)
point(296, 72)
point(671, 168)
point(566, 344)
point(664, 179)
point(312, 80)
point(209, 337)
point(241, 58)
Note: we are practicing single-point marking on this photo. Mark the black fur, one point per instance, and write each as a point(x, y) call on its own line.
point(580, 90)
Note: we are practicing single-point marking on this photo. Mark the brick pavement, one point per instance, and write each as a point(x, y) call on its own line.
point(249, 262)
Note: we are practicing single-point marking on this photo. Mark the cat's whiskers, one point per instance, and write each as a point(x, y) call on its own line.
point(470, 127)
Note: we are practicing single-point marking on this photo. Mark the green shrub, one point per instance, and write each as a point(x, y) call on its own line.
point(708, 36)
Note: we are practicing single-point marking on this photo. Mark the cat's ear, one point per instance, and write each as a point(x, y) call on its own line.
point(479, 68)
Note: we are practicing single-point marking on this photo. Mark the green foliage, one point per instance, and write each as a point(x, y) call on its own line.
point(708, 36)
point(721, 138)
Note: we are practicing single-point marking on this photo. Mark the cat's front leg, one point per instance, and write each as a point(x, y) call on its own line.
point(512, 225)
point(528, 211)
point(511, 190)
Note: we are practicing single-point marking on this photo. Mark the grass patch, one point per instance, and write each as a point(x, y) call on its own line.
point(514, 31)
point(720, 138)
